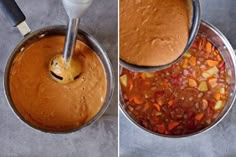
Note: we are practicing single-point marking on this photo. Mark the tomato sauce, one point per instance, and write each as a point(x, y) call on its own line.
point(182, 99)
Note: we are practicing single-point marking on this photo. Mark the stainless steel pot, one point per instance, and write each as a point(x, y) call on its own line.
point(227, 52)
point(194, 12)
point(31, 37)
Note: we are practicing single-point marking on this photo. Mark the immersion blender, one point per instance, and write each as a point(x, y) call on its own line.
point(63, 68)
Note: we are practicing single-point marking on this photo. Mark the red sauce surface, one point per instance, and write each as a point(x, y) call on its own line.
point(184, 98)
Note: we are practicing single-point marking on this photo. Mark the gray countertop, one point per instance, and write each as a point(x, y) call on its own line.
point(219, 141)
point(97, 140)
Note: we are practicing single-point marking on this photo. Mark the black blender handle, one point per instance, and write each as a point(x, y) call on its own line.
point(12, 12)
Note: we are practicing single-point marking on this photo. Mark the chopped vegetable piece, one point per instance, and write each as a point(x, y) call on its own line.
point(158, 108)
point(210, 72)
point(143, 76)
point(206, 75)
point(217, 96)
point(228, 79)
point(123, 80)
point(199, 116)
point(192, 61)
point(212, 63)
point(218, 105)
point(222, 67)
point(219, 58)
point(187, 55)
point(222, 90)
point(160, 102)
point(192, 83)
point(185, 63)
point(149, 74)
point(145, 95)
point(203, 86)
point(213, 82)
point(158, 114)
point(172, 125)
point(131, 85)
point(161, 128)
point(137, 100)
point(200, 95)
point(213, 70)
point(208, 47)
point(223, 97)
point(171, 103)
point(204, 104)
point(130, 108)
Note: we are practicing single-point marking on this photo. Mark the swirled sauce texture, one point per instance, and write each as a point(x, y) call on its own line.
point(153, 32)
point(51, 106)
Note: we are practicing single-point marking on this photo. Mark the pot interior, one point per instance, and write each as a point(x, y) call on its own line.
point(227, 52)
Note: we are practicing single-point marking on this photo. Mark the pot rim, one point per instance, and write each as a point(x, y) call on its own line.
point(212, 125)
point(61, 29)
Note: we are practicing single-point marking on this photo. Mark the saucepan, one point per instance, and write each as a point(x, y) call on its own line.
point(228, 54)
point(17, 19)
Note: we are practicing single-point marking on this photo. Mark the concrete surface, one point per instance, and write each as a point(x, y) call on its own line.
point(218, 142)
point(97, 140)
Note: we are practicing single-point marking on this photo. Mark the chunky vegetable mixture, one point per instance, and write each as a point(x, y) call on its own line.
point(184, 98)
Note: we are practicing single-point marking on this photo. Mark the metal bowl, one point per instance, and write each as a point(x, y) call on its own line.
point(227, 52)
point(195, 12)
point(82, 36)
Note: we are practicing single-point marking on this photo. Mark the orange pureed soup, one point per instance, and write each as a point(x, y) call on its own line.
point(153, 32)
point(48, 105)
point(182, 99)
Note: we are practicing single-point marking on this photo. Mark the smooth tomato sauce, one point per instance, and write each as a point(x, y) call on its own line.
point(182, 99)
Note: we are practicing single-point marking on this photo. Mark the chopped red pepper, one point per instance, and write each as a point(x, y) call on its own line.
point(158, 108)
point(161, 128)
point(172, 125)
point(199, 116)
point(222, 67)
